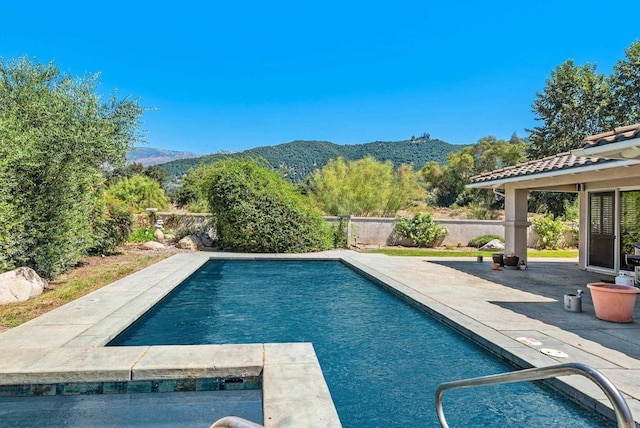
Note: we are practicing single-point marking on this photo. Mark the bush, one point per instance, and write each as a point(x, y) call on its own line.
point(364, 187)
point(112, 229)
point(339, 234)
point(143, 234)
point(484, 240)
point(551, 231)
point(421, 229)
point(138, 193)
point(258, 211)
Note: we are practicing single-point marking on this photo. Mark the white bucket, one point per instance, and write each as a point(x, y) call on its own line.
point(623, 279)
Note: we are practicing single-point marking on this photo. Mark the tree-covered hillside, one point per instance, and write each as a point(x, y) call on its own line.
point(298, 159)
point(148, 156)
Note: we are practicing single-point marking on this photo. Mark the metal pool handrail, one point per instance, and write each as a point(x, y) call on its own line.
point(623, 414)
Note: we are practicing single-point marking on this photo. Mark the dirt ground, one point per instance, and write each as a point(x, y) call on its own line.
point(89, 264)
point(90, 274)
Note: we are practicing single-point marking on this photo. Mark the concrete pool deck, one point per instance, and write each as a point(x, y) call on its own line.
point(494, 308)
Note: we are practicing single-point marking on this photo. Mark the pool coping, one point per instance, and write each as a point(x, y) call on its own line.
point(67, 344)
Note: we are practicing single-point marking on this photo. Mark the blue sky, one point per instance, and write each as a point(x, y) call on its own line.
point(228, 76)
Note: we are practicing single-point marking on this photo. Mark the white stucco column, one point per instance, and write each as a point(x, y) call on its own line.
point(583, 228)
point(515, 224)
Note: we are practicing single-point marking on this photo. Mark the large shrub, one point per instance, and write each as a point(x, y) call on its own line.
point(138, 193)
point(56, 136)
point(421, 229)
point(365, 187)
point(112, 226)
point(257, 211)
point(550, 231)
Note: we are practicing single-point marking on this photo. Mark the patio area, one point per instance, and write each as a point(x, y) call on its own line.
point(494, 308)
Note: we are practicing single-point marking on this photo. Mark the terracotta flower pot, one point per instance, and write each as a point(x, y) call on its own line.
point(613, 302)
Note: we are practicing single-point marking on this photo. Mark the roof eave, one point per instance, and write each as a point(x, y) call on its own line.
point(494, 184)
point(628, 149)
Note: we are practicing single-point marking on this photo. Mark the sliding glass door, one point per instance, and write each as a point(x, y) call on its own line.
point(629, 227)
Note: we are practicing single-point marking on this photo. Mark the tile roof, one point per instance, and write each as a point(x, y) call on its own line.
point(548, 164)
point(617, 135)
point(562, 161)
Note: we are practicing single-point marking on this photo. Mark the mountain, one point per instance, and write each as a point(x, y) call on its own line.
point(298, 159)
point(149, 156)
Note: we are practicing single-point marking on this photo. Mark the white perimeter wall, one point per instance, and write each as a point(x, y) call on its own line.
point(379, 231)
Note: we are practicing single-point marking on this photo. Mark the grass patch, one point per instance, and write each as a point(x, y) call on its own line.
point(94, 273)
point(426, 252)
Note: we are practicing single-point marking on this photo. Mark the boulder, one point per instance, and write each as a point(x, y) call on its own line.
point(152, 245)
point(201, 241)
point(189, 242)
point(493, 245)
point(158, 234)
point(20, 285)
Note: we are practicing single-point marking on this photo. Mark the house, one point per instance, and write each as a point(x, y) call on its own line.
point(605, 172)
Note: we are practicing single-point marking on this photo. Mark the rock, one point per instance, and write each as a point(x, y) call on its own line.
point(158, 234)
point(189, 242)
point(492, 245)
point(195, 242)
point(20, 285)
point(205, 241)
point(152, 245)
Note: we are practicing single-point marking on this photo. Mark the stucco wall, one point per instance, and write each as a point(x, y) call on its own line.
point(379, 231)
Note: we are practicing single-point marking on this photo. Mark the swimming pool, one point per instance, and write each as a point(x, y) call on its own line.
point(382, 357)
point(189, 408)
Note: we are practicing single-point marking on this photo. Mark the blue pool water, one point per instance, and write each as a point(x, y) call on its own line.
point(382, 358)
point(178, 409)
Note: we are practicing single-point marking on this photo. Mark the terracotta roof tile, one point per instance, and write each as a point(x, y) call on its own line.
point(548, 164)
point(562, 161)
point(618, 134)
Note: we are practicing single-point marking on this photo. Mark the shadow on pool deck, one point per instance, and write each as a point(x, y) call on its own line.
point(554, 280)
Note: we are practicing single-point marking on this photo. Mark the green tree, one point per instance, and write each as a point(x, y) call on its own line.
point(56, 135)
point(156, 173)
point(448, 183)
point(190, 194)
point(138, 193)
point(128, 171)
point(258, 211)
point(575, 103)
point(365, 187)
point(625, 83)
